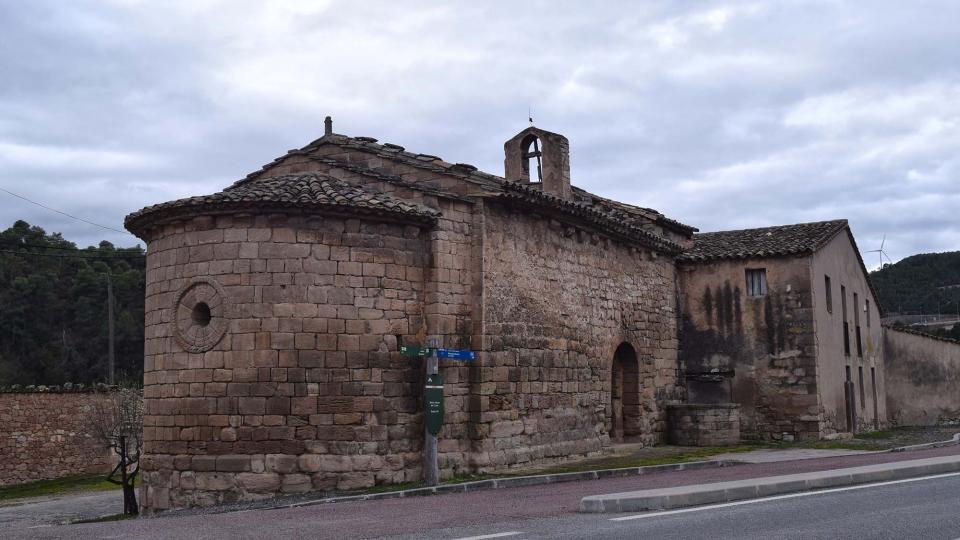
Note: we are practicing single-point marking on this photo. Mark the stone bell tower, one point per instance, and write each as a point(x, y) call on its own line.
point(547, 153)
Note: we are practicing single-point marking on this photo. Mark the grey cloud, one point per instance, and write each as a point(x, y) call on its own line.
point(721, 115)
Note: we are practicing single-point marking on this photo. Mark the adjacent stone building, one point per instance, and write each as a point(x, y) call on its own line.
point(784, 322)
point(275, 311)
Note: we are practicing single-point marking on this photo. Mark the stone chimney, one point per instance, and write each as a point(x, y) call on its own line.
point(535, 155)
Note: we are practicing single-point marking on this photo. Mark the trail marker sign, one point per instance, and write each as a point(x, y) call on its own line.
point(414, 350)
point(455, 354)
point(433, 403)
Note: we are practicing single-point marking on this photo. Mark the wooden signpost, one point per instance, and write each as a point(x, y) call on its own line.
point(433, 401)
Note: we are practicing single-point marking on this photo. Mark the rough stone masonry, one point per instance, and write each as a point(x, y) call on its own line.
point(275, 311)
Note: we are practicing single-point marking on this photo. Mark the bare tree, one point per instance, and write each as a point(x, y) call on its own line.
point(118, 422)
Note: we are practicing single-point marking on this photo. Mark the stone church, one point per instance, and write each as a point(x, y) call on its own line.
point(276, 308)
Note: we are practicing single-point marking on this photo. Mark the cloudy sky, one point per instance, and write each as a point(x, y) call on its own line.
point(721, 115)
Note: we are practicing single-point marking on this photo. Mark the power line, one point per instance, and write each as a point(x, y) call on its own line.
point(77, 256)
point(14, 243)
point(71, 216)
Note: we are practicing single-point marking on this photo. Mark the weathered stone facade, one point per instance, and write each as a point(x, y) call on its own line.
point(780, 352)
point(305, 389)
point(557, 308)
point(276, 308)
point(765, 344)
point(47, 435)
point(704, 424)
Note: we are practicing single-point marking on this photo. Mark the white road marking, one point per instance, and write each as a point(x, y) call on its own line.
point(494, 535)
point(780, 497)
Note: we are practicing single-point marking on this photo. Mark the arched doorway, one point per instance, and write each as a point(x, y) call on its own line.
point(625, 394)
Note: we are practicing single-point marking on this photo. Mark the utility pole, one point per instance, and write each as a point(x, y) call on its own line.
point(110, 353)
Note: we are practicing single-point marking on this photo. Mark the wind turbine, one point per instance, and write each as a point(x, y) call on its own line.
point(881, 252)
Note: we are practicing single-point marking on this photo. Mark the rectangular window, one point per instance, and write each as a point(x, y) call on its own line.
point(829, 293)
point(843, 301)
point(846, 325)
point(856, 324)
point(866, 309)
point(846, 338)
point(863, 397)
point(756, 281)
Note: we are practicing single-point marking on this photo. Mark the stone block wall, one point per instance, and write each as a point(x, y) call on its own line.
point(558, 302)
point(289, 379)
point(700, 424)
point(45, 435)
point(766, 343)
point(453, 289)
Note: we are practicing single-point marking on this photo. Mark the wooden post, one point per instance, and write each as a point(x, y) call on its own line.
point(110, 350)
point(431, 471)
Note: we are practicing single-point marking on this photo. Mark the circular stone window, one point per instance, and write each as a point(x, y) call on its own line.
point(199, 323)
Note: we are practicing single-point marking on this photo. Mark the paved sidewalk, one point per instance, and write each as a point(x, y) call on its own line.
point(786, 454)
point(58, 509)
point(752, 488)
point(418, 515)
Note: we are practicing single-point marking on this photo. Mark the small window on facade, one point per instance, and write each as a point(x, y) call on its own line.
point(866, 309)
point(828, 290)
point(843, 301)
point(756, 281)
point(863, 397)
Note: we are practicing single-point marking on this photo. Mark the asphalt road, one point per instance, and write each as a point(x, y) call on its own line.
point(927, 509)
point(524, 509)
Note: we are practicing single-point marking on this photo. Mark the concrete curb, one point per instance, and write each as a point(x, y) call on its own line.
point(721, 492)
point(938, 444)
point(519, 481)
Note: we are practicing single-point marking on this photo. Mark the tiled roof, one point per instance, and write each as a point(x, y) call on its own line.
point(616, 211)
point(309, 191)
point(765, 242)
point(622, 226)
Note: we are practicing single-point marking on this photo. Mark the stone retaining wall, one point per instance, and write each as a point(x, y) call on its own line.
point(44, 435)
point(923, 374)
point(698, 424)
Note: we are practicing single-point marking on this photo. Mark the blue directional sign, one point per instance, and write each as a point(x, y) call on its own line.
point(455, 354)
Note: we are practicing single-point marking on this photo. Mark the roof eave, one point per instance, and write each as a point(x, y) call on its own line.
point(141, 222)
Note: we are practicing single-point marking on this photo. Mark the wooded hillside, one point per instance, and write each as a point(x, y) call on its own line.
point(922, 283)
point(53, 309)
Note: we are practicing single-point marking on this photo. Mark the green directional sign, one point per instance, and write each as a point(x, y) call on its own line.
point(433, 403)
point(414, 350)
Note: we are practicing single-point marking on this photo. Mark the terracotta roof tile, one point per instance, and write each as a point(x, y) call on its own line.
point(305, 191)
point(616, 210)
point(765, 242)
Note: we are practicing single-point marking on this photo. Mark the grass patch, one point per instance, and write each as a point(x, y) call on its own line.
point(845, 445)
point(58, 485)
point(386, 488)
point(591, 465)
point(870, 435)
point(631, 461)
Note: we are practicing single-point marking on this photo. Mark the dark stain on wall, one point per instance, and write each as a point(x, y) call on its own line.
point(741, 349)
